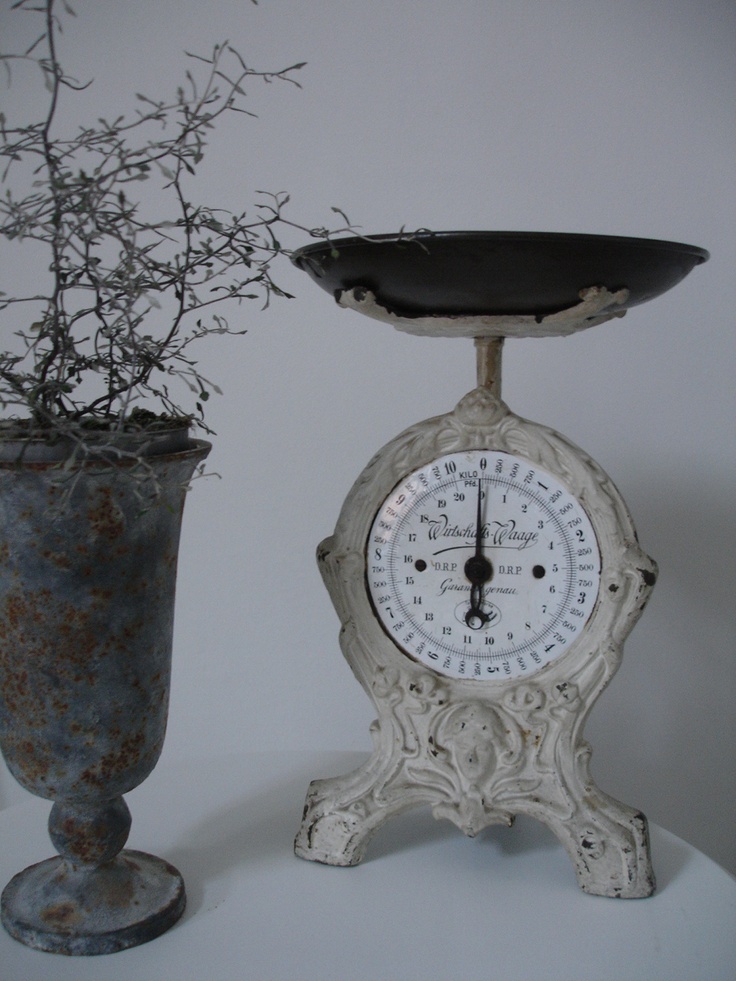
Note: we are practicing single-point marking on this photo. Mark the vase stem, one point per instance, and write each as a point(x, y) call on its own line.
point(86, 835)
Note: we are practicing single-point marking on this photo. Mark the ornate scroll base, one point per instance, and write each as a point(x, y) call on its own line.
point(480, 752)
point(479, 762)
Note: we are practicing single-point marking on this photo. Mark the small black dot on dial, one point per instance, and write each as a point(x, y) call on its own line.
point(420, 565)
point(539, 572)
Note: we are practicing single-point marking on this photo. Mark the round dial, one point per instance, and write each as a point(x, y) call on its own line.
point(482, 565)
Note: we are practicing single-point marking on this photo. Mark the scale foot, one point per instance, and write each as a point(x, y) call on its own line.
point(123, 903)
point(608, 844)
point(341, 815)
point(335, 829)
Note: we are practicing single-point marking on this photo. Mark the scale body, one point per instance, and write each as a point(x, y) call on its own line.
point(485, 570)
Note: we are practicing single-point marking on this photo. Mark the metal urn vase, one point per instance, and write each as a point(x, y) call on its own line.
point(88, 560)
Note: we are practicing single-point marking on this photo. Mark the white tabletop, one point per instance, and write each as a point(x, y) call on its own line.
point(425, 904)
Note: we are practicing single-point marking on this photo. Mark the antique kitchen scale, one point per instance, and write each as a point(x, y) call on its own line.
point(486, 571)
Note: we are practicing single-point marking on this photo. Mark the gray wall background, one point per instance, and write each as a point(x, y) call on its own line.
point(560, 115)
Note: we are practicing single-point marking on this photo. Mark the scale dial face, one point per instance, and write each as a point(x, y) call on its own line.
point(482, 565)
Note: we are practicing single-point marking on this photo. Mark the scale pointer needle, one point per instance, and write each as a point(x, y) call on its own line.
point(478, 571)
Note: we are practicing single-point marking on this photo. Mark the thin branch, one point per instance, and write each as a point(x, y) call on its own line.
point(88, 355)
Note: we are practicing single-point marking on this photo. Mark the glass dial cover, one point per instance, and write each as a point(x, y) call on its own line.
point(482, 565)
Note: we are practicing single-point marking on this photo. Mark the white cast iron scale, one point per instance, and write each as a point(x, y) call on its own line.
point(485, 570)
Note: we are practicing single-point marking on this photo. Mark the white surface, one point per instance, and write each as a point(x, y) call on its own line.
point(425, 904)
point(559, 115)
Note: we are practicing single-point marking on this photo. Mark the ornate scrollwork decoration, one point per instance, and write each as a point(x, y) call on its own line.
point(480, 752)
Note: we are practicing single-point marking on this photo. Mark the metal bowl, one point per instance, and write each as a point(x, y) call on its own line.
point(495, 273)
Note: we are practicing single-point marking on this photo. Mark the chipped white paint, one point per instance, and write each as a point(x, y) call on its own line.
point(594, 302)
point(480, 752)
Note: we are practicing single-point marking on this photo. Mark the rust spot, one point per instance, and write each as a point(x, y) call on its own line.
point(528, 735)
point(59, 559)
point(101, 594)
point(31, 763)
point(126, 757)
point(61, 915)
point(105, 518)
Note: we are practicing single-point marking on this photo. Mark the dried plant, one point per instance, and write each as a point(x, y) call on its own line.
point(130, 288)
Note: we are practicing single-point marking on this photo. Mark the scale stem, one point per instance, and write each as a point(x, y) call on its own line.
point(488, 354)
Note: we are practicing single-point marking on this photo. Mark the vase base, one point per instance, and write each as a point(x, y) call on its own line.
point(126, 902)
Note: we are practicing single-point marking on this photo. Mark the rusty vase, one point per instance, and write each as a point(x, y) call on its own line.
point(88, 562)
